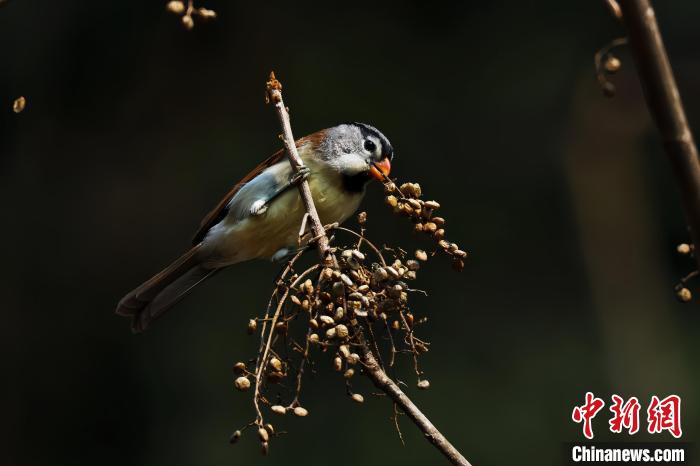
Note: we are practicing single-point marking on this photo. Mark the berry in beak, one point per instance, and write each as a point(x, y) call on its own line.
point(380, 170)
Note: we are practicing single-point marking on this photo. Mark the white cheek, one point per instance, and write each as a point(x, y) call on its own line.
point(351, 163)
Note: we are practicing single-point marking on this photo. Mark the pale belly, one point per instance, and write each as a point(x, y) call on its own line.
point(260, 237)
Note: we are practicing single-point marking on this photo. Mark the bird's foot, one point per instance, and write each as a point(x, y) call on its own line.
point(259, 207)
point(299, 176)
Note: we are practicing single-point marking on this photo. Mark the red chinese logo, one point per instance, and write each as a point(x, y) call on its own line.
point(624, 415)
point(661, 415)
point(665, 415)
point(587, 412)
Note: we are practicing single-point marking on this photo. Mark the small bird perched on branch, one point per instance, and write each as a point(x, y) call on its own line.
point(260, 216)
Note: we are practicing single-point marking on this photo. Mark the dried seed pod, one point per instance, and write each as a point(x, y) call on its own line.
point(356, 277)
point(389, 187)
point(460, 253)
point(429, 227)
point(394, 291)
point(252, 326)
point(330, 333)
point(263, 434)
point(341, 331)
point(242, 383)
point(278, 409)
point(339, 314)
point(301, 412)
point(392, 201)
point(358, 255)
point(363, 288)
point(239, 368)
point(421, 255)
point(265, 448)
point(444, 244)
point(424, 384)
point(415, 204)
point(346, 254)
point(313, 338)
point(362, 218)
point(308, 287)
point(439, 234)
point(356, 397)
point(353, 359)
point(439, 221)
point(684, 295)
point(326, 273)
point(380, 274)
point(395, 325)
point(313, 323)
point(270, 429)
point(412, 264)
point(355, 296)
point(353, 263)
point(296, 300)
point(344, 350)
point(276, 364)
point(306, 305)
point(206, 14)
point(612, 64)
point(176, 7)
point(349, 373)
point(338, 289)
point(683, 249)
point(432, 205)
point(393, 273)
point(235, 436)
point(337, 363)
point(418, 227)
point(188, 22)
point(19, 104)
point(410, 275)
point(346, 280)
point(327, 320)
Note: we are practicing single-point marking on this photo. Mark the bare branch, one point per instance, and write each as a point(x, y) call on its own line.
point(665, 105)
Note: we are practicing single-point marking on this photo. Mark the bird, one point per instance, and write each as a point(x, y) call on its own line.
point(260, 217)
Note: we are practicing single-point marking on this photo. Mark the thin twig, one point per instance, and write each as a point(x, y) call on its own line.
point(665, 105)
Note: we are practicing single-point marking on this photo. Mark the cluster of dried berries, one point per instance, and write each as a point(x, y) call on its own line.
point(361, 304)
point(682, 292)
point(189, 12)
point(406, 200)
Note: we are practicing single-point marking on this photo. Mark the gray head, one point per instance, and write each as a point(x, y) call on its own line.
point(358, 151)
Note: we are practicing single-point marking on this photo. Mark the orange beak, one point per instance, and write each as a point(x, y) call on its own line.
point(380, 170)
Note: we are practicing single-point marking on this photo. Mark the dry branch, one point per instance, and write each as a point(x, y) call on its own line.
point(666, 106)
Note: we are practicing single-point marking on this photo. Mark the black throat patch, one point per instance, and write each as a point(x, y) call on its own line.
point(356, 183)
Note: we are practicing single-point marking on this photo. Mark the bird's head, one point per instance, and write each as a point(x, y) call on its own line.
point(359, 152)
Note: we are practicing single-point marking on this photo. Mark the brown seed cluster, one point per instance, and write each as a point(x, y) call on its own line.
point(683, 294)
point(361, 303)
point(189, 12)
point(406, 200)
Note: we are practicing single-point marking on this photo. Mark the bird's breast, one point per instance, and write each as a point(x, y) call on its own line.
point(263, 235)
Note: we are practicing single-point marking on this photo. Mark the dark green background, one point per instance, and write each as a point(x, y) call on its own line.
point(135, 127)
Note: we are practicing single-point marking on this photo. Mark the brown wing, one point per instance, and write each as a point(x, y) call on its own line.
point(220, 211)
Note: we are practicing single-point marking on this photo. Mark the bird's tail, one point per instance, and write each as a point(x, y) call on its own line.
point(153, 298)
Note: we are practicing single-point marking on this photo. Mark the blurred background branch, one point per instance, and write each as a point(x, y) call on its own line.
point(666, 107)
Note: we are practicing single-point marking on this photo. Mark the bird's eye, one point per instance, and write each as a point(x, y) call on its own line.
point(370, 146)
